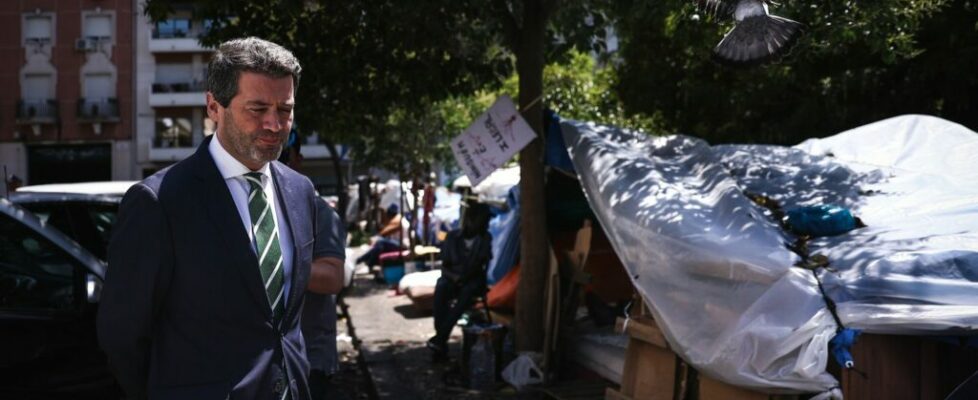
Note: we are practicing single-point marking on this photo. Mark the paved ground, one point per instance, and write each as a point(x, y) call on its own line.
point(351, 382)
point(392, 336)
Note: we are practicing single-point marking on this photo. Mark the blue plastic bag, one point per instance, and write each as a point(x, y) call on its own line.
point(822, 220)
point(841, 345)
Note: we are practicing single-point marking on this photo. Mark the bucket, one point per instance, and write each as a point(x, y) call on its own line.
point(393, 273)
point(482, 348)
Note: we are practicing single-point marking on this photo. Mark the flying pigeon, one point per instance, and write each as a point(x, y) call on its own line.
point(756, 37)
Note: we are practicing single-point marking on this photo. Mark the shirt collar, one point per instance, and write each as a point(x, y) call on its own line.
point(229, 166)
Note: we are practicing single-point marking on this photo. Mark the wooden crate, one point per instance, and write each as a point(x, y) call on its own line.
point(654, 372)
point(906, 367)
point(889, 367)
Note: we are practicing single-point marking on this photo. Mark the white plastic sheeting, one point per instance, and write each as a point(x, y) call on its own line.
point(495, 187)
point(715, 269)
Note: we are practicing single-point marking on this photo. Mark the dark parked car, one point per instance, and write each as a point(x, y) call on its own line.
point(86, 218)
point(52, 250)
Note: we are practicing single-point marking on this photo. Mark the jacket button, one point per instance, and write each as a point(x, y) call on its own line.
point(279, 386)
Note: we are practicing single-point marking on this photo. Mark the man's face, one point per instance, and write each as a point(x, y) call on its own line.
point(256, 124)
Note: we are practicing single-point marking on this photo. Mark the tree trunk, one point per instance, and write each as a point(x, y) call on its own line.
point(534, 243)
point(342, 196)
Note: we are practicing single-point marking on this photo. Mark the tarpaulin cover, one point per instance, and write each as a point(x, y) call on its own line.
point(714, 266)
point(505, 230)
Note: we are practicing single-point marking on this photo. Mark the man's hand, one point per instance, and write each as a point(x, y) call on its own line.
point(326, 275)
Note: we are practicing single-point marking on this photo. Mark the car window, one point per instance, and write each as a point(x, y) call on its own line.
point(102, 216)
point(35, 274)
point(88, 223)
point(53, 214)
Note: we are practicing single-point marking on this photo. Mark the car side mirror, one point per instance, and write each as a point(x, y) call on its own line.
point(93, 288)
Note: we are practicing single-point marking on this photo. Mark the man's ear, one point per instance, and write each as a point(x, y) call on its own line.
point(213, 107)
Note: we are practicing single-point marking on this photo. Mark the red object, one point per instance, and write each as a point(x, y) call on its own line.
point(429, 206)
point(502, 296)
point(392, 257)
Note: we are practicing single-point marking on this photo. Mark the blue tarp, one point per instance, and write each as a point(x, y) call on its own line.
point(556, 151)
point(505, 230)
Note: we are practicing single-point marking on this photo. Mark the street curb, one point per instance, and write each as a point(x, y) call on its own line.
point(361, 360)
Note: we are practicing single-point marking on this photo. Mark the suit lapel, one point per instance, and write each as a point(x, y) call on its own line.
point(290, 203)
point(223, 214)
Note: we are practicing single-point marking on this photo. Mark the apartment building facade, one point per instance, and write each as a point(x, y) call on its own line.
point(171, 119)
point(93, 90)
point(66, 70)
point(171, 72)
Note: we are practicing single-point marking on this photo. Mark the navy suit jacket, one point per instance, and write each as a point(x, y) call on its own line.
point(183, 313)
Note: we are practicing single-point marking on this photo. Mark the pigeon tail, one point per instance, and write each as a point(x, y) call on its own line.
point(757, 39)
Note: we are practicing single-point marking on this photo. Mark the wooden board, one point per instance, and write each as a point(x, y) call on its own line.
point(650, 367)
point(612, 394)
point(651, 370)
point(906, 367)
point(642, 328)
point(587, 390)
point(713, 389)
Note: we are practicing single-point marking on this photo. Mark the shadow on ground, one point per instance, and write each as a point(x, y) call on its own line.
point(411, 312)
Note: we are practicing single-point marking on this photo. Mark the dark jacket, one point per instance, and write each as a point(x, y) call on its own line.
point(467, 264)
point(184, 314)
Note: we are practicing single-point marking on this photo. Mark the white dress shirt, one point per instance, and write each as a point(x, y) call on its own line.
point(233, 172)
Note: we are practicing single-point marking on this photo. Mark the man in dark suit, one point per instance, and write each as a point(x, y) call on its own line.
point(210, 258)
point(319, 311)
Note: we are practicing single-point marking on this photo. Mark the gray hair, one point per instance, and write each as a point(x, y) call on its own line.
point(249, 55)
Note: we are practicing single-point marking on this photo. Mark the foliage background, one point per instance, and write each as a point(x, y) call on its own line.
point(858, 62)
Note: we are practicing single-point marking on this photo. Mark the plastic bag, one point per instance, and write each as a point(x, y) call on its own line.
point(820, 220)
point(522, 371)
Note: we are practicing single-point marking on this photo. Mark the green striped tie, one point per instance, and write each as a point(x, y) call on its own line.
point(266, 240)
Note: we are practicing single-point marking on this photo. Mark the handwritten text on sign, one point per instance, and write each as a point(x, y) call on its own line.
point(491, 140)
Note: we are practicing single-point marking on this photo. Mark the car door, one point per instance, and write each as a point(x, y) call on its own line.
point(48, 288)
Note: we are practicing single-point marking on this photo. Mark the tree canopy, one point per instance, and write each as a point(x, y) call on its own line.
point(364, 59)
point(858, 62)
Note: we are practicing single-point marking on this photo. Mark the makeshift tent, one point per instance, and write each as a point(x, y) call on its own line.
point(715, 268)
point(445, 215)
point(495, 187)
point(505, 230)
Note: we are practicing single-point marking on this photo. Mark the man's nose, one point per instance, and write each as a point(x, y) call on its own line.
point(274, 121)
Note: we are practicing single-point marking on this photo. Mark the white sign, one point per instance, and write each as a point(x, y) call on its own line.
point(491, 140)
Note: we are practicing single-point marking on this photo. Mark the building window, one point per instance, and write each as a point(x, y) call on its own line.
point(38, 29)
point(176, 78)
point(97, 86)
point(98, 27)
point(173, 132)
point(172, 28)
point(37, 87)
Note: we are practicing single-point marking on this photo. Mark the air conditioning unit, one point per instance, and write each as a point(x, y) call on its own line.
point(85, 44)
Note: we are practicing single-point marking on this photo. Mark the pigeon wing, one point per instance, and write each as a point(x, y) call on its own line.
point(757, 40)
point(719, 9)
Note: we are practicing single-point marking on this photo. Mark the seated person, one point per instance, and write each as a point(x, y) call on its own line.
point(464, 254)
point(388, 238)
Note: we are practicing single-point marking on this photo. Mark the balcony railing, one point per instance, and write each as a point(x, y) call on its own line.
point(167, 140)
point(177, 95)
point(98, 110)
point(173, 132)
point(179, 28)
point(182, 87)
point(37, 111)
